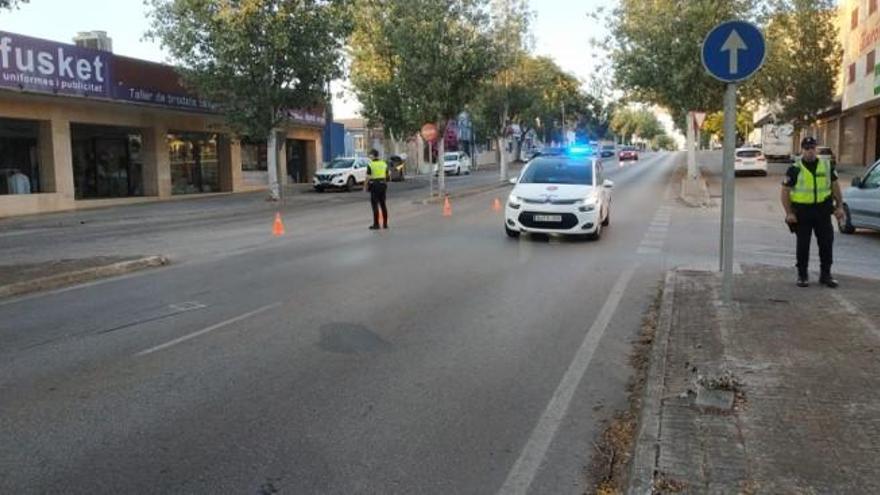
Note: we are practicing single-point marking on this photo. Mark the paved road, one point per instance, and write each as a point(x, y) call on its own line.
point(437, 357)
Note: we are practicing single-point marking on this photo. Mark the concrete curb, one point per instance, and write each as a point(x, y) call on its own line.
point(463, 194)
point(81, 276)
point(644, 463)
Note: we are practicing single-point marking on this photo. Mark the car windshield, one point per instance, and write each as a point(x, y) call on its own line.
point(748, 153)
point(341, 163)
point(450, 157)
point(558, 171)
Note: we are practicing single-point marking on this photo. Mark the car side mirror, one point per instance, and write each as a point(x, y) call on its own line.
point(608, 184)
point(512, 180)
point(857, 182)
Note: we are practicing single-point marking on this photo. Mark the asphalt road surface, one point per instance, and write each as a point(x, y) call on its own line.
point(436, 357)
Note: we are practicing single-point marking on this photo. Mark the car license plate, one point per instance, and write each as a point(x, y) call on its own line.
point(548, 218)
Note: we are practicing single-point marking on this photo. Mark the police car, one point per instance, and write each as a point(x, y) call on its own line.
point(560, 194)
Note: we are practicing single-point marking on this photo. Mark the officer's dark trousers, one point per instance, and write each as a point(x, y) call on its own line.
point(814, 219)
point(377, 200)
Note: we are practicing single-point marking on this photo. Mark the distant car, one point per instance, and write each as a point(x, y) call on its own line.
point(861, 202)
point(608, 151)
point(749, 160)
point(455, 162)
point(397, 167)
point(341, 173)
point(561, 194)
point(627, 154)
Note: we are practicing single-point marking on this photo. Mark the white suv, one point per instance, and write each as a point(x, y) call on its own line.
point(455, 162)
point(341, 173)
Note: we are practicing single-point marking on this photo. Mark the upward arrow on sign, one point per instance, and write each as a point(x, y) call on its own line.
point(733, 45)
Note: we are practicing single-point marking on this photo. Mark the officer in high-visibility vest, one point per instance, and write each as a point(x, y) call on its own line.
point(810, 195)
point(378, 176)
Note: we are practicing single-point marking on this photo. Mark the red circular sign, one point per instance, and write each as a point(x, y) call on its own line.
point(429, 132)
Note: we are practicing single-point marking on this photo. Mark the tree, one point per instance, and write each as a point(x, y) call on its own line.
point(11, 4)
point(628, 122)
point(418, 61)
point(254, 58)
point(714, 124)
point(803, 59)
point(664, 142)
point(655, 51)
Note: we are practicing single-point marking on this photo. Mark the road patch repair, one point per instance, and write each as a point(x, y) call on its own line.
point(25, 278)
point(775, 393)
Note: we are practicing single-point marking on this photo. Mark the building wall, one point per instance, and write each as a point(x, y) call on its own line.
point(858, 42)
point(56, 114)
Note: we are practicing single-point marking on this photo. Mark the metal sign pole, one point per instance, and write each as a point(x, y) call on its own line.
point(728, 198)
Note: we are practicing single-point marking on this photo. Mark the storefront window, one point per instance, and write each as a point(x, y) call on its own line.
point(194, 163)
point(107, 161)
point(19, 167)
point(254, 156)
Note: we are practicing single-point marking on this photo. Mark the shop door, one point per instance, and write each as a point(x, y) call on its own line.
point(297, 160)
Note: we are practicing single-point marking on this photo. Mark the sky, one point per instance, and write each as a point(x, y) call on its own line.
point(561, 30)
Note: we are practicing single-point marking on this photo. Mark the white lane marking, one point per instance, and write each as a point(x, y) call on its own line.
point(854, 311)
point(208, 329)
point(526, 467)
point(653, 242)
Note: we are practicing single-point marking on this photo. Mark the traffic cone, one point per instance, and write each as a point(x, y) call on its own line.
point(278, 226)
point(447, 207)
point(496, 205)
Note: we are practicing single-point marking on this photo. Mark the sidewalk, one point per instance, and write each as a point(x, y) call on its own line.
point(776, 394)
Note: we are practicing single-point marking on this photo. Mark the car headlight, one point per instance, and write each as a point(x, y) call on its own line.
point(587, 205)
point(514, 202)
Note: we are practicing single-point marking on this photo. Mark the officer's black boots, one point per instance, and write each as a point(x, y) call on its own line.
point(802, 281)
point(827, 281)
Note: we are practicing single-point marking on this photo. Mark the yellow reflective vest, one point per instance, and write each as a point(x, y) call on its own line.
point(812, 189)
point(378, 170)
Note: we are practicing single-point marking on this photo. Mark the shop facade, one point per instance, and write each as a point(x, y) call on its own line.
point(81, 128)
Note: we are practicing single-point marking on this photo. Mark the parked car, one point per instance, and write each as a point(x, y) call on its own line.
point(607, 151)
point(749, 160)
point(341, 173)
point(627, 154)
point(861, 202)
point(455, 162)
point(397, 167)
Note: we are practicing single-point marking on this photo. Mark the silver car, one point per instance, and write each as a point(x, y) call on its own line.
point(861, 202)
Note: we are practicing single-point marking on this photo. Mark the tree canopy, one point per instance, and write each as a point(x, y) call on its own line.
point(254, 58)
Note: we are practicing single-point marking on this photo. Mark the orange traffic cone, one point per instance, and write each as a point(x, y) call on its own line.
point(447, 207)
point(496, 205)
point(278, 226)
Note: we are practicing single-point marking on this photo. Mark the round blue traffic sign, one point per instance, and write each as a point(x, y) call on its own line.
point(733, 51)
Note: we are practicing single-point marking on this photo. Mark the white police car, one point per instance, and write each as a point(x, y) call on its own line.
point(560, 194)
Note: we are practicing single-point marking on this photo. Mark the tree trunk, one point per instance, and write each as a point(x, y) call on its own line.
point(272, 163)
point(502, 146)
point(441, 149)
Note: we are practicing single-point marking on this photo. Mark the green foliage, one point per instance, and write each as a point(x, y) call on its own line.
point(655, 52)
point(11, 4)
point(664, 142)
point(254, 58)
point(417, 61)
point(803, 59)
point(714, 124)
point(628, 122)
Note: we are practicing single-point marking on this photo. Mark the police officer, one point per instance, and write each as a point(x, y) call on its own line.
point(378, 176)
point(810, 195)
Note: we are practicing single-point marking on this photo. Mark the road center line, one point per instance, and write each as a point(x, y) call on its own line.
point(526, 467)
point(208, 329)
